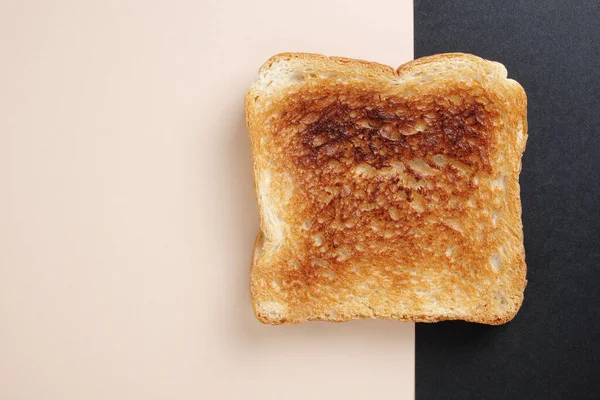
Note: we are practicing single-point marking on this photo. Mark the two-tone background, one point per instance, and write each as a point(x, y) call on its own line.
point(127, 213)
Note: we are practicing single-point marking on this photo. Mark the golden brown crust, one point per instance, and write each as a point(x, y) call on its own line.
point(388, 194)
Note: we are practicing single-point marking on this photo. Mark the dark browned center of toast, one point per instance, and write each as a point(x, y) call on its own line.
point(385, 177)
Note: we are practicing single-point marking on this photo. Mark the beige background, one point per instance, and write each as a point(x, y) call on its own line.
point(127, 213)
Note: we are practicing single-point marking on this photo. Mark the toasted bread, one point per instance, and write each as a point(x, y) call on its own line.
point(387, 193)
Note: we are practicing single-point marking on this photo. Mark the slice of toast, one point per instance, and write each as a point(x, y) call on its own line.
point(387, 193)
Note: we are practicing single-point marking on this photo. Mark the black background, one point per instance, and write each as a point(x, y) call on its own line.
point(551, 350)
